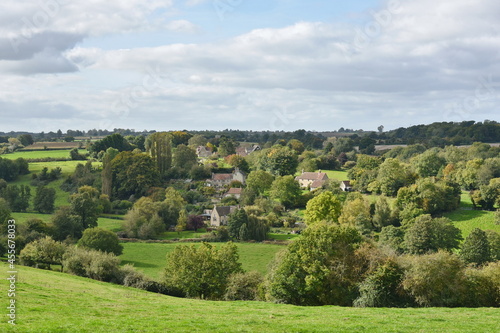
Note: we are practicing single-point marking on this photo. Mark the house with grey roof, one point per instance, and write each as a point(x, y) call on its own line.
point(220, 215)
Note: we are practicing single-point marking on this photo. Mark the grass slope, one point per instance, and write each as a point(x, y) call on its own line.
point(150, 257)
point(56, 302)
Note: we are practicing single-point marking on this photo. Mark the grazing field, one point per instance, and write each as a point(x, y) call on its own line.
point(67, 168)
point(336, 174)
point(114, 225)
point(55, 145)
point(21, 218)
point(150, 257)
point(169, 235)
point(56, 302)
point(468, 220)
point(37, 154)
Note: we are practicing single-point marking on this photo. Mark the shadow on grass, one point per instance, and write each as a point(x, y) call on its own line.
point(466, 215)
point(138, 264)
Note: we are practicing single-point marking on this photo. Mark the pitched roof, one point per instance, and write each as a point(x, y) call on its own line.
point(222, 176)
point(223, 210)
point(318, 183)
point(346, 183)
point(235, 190)
point(313, 176)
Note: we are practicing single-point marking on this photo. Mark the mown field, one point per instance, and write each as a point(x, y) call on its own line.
point(57, 302)
point(151, 257)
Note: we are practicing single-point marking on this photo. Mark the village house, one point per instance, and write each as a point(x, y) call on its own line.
point(223, 179)
point(220, 215)
point(234, 192)
point(245, 151)
point(308, 179)
point(345, 186)
point(203, 152)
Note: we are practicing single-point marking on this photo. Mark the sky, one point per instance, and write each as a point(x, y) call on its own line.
point(247, 64)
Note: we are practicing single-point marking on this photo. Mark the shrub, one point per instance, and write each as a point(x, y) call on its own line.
point(201, 271)
point(481, 286)
point(319, 268)
point(43, 251)
point(243, 286)
point(93, 264)
point(383, 288)
point(101, 240)
point(436, 279)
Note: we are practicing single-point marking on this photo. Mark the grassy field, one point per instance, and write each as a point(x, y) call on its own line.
point(114, 225)
point(467, 219)
point(59, 154)
point(150, 257)
point(56, 302)
point(67, 168)
point(336, 174)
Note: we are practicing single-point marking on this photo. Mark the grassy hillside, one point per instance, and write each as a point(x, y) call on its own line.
point(150, 257)
point(57, 302)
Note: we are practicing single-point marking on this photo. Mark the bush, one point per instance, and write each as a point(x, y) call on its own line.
point(383, 288)
point(93, 264)
point(130, 277)
point(243, 286)
point(43, 251)
point(221, 234)
point(482, 289)
point(436, 279)
point(101, 240)
point(201, 271)
point(319, 268)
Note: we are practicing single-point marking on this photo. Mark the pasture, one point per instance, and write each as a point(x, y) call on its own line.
point(48, 301)
point(150, 257)
point(40, 154)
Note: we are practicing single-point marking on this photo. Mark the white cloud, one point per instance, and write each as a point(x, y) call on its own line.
point(422, 62)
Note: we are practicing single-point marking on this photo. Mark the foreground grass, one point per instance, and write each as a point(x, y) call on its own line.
point(151, 257)
point(56, 302)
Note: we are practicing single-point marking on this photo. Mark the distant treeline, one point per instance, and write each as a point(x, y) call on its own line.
point(444, 133)
point(432, 135)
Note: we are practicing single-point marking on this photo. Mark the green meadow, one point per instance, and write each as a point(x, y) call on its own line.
point(36, 154)
point(48, 301)
point(151, 257)
point(338, 175)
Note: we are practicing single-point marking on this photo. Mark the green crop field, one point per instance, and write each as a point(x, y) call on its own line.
point(56, 302)
point(151, 257)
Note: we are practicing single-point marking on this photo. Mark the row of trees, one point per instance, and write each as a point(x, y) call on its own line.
point(334, 264)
